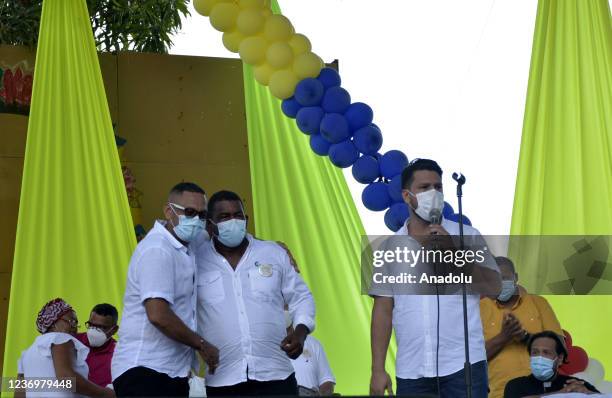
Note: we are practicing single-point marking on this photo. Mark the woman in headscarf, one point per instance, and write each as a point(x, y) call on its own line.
point(57, 354)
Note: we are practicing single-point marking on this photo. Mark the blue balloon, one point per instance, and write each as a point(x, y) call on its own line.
point(396, 216)
point(393, 163)
point(334, 128)
point(448, 210)
point(375, 196)
point(309, 92)
point(359, 115)
point(366, 169)
point(395, 188)
point(455, 217)
point(336, 100)
point(368, 140)
point(319, 145)
point(329, 77)
point(309, 119)
point(290, 107)
point(343, 154)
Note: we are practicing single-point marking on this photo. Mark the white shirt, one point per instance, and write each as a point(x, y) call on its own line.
point(312, 368)
point(161, 267)
point(241, 311)
point(37, 361)
point(415, 324)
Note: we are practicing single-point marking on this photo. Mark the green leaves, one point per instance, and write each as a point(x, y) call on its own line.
point(118, 25)
point(19, 21)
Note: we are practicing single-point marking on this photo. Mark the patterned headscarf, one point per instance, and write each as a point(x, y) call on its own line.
point(50, 313)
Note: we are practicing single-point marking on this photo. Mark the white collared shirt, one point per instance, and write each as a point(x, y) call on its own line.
point(161, 267)
point(415, 325)
point(312, 368)
point(241, 311)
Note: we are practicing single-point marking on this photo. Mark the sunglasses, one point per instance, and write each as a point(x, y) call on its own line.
point(190, 211)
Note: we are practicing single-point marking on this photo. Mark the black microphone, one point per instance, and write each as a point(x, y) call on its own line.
point(435, 217)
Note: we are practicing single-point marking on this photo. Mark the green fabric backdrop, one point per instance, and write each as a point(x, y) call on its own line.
point(74, 233)
point(303, 200)
point(564, 180)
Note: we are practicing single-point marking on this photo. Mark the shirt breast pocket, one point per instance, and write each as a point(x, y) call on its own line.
point(266, 284)
point(210, 287)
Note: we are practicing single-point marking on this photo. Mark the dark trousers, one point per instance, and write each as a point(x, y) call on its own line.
point(145, 382)
point(451, 386)
point(255, 388)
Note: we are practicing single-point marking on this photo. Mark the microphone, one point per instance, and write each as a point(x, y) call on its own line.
point(435, 216)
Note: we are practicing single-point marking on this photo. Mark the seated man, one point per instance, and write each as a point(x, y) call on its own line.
point(547, 353)
point(507, 322)
point(312, 371)
point(101, 327)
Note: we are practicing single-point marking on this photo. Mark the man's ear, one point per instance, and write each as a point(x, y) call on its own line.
point(114, 330)
point(167, 212)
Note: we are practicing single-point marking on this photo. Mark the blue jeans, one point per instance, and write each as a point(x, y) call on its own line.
point(451, 386)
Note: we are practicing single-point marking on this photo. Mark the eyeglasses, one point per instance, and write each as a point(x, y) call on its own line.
point(93, 325)
point(71, 322)
point(190, 211)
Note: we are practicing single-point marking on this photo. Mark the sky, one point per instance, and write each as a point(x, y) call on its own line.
point(447, 80)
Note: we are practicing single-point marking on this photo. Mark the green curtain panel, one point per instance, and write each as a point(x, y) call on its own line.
point(303, 200)
point(74, 232)
point(564, 180)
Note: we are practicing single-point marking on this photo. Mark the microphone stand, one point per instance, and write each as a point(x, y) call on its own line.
point(460, 179)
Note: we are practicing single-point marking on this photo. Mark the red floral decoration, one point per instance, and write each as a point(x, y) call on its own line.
point(16, 88)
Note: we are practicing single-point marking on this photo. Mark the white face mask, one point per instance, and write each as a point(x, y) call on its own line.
point(428, 201)
point(96, 337)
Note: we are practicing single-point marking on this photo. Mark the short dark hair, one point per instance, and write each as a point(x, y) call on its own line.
point(219, 197)
point(105, 309)
point(416, 165)
point(186, 187)
point(560, 347)
point(506, 261)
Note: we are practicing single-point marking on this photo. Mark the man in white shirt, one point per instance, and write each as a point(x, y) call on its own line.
point(157, 340)
point(243, 284)
point(312, 371)
point(421, 358)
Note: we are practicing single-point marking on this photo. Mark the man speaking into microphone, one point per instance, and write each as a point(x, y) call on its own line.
point(430, 354)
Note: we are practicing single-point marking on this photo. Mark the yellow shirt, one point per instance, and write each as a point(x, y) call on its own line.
point(535, 315)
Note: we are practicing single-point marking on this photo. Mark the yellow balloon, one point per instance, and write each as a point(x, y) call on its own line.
point(282, 83)
point(300, 44)
point(253, 50)
point(223, 16)
point(250, 21)
point(203, 7)
point(278, 28)
point(279, 55)
point(307, 65)
point(252, 3)
point(262, 73)
point(232, 40)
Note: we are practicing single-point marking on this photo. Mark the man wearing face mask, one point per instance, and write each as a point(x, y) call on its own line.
point(547, 353)
point(101, 327)
point(507, 322)
point(243, 284)
point(156, 344)
point(418, 320)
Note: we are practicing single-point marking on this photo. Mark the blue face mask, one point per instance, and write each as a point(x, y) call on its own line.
point(189, 228)
point(231, 232)
point(507, 290)
point(542, 368)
